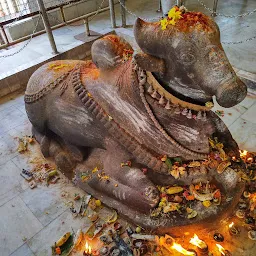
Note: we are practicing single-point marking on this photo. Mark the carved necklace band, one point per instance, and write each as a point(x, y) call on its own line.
point(142, 78)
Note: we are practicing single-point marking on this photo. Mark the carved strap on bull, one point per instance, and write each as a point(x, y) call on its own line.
point(142, 77)
point(157, 91)
point(31, 98)
point(128, 141)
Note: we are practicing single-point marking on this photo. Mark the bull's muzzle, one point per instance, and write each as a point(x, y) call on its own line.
point(231, 93)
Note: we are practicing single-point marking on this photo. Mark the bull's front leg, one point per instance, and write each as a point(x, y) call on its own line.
point(128, 185)
point(65, 156)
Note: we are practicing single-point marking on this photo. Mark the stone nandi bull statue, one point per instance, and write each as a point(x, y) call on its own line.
point(137, 107)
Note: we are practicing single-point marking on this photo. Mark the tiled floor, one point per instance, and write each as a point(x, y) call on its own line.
point(31, 219)
point(241, 121)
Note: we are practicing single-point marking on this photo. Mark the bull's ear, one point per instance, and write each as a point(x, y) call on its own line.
point(150, 63)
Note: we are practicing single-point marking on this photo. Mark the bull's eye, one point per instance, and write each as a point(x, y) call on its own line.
point(187, 58)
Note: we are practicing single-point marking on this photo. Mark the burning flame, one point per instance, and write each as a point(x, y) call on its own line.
point(231, 225)
point(243, 153)
point(197, 242)
point(88, 248)
point(180, 249)
point(250, 159)
point(221, 249)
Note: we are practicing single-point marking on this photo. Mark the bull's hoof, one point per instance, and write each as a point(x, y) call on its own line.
point(152, 194)
point(141, 199)
point(43, 140)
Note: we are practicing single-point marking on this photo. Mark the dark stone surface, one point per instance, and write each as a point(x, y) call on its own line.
point(78, 106)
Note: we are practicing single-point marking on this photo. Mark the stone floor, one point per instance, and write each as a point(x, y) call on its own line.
point(242, 56)
point(30, 220)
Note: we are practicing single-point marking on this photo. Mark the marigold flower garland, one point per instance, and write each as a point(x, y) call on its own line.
point(173, 16)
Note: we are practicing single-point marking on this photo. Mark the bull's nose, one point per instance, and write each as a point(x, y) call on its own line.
point(231, 93)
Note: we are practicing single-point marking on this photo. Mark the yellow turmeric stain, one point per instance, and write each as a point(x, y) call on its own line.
point(56, 66)
point(60, 66)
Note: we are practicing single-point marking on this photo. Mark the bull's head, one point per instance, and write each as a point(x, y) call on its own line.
point(188, 59)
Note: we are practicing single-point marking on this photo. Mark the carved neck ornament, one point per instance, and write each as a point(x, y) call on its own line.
point(169, 101)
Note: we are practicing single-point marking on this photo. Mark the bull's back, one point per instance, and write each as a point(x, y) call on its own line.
point(53, 104)
point(49, 73)
point(40, 84)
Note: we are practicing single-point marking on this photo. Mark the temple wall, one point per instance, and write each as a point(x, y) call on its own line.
point(26, 27)
point(18, 80)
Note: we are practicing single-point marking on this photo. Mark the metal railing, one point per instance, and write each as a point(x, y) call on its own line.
point(40, 11)
point(17, 10)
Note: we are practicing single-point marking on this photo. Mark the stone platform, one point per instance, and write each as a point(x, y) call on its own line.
point(44, 222)
point(175, 223)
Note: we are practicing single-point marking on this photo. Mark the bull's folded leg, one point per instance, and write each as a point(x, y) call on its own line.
point(140, 199)
point(129, 185)
point(51, 147)
point(43, 140)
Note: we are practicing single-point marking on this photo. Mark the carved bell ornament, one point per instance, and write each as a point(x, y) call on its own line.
point(150, 89)
point(166, 102)
point(189, 115)
point(168, 105)
point(154, 94)
point(184, 112)
point(162, 100)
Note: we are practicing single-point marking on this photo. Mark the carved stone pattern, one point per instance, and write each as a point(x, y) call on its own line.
point(117, 132)
point(172, 99)
point(30, 98)
point(142, 80)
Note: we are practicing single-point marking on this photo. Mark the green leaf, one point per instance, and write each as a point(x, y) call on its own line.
point(177, 159)
point(168, 162)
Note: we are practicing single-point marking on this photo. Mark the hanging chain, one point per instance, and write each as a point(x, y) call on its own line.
point(224, 15)
point(240, 42)
point(26, 44)
point(231, 16)
point(135, 15)
point(97, 12)
point(227, 43)
point(34, 31)
point(77, 25)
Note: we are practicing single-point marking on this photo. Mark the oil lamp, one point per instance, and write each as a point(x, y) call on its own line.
point(223, 251)
point(249, 160)
point(235, 159)
point(183, 251)
point(168, 243)
point(88, 250)
point(233, 230)
point(200, 244)
point(243, 153)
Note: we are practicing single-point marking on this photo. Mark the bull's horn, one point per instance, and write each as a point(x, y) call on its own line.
point(145, 36)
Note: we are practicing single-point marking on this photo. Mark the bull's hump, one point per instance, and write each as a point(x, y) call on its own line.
point(48, 74)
